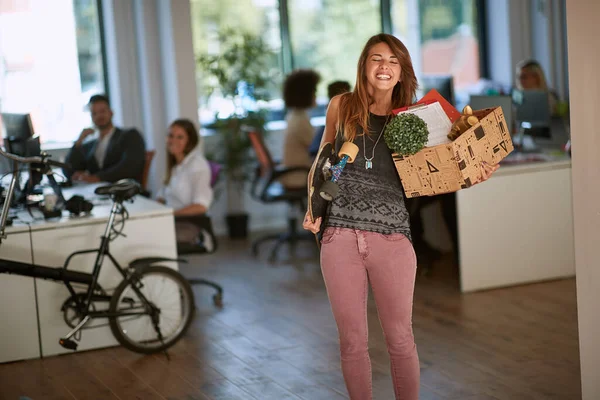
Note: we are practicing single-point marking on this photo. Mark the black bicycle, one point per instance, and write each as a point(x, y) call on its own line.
point(152, 307)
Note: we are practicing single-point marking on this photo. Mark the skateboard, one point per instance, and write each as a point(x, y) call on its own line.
point(323, 177)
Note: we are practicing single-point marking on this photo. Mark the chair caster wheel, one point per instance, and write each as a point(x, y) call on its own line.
point(255, 250)
point(218, 300)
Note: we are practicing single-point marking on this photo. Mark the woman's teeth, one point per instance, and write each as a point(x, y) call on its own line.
point(383, 76)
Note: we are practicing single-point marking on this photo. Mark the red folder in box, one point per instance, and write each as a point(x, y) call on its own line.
point(431, 97)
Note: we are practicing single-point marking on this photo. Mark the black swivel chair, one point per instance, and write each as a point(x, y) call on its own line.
point(208, 245)
point(267, 189)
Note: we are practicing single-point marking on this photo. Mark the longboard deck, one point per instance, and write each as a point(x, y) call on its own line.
point(317, 206)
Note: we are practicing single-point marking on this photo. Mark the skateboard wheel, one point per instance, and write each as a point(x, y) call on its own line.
point(349, 149)
point(329, 190)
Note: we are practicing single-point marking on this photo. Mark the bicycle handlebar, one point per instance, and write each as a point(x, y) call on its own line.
point(19, 159)
point(33, 160)
point(57, 164)
point(43, 159)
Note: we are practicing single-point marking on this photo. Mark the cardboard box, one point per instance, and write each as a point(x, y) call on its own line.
point(450, 167)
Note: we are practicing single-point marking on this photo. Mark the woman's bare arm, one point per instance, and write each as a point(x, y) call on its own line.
point(331, 120)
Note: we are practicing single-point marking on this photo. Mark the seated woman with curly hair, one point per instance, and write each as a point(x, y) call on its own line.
point(299, 95)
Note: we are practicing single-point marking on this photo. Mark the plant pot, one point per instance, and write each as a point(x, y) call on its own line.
point(237, 225)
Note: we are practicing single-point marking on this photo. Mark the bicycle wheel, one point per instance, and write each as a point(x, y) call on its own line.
point(167, 311)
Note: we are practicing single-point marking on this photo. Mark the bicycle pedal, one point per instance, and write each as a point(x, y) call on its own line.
point(68, 344)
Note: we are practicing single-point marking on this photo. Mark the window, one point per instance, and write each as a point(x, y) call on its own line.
point(50, 64)
point(443, 39)
point(256, 17)
point(329, 36)
point(441, 35)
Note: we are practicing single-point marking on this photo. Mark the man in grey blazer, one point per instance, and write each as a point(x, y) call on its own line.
point(115, 154)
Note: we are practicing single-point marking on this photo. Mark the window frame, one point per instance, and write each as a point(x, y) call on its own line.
point(385, 9)
point(101, 28)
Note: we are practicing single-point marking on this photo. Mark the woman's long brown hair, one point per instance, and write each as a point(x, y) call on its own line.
point(193, 139)
point(354, 106)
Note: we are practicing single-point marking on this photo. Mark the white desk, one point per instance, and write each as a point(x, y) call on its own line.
point(19, 326)
point(517, 227)
point(150, 233)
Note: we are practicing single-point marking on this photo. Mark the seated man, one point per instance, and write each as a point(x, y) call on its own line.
point(113, 155)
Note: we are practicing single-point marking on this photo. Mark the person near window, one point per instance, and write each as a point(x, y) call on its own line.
point(299, 95)
point(530, 76)
point(333, 89)
point(367, 231)
point(106, 153)
point(187, 186)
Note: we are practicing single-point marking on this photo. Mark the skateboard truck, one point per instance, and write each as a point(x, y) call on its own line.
point(329, 189)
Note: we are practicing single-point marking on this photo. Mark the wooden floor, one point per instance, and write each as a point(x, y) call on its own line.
point(275, 339)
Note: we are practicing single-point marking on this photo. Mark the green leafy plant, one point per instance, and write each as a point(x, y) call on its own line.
point(406, 134)
point(241, 75)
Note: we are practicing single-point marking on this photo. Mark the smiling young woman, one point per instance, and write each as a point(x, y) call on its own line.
point(367, 234)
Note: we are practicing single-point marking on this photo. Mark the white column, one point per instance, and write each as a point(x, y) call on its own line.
point(497, 19)
point(540, 35)
point(152, 93)
point(558, 52)
point(413, 42)
point(178, 61)
point(509, 37)
point(151, 69)
point(519, 32)
point(584, 83)
point(121, 57)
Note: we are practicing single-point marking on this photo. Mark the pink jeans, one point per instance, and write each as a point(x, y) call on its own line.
point(349, 260)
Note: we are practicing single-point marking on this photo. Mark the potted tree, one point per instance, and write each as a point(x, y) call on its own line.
point(239, 77)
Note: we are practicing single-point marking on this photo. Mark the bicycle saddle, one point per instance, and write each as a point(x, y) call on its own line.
point(123, 189)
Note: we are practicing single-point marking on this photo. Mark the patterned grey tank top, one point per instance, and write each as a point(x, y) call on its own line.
point(370, 199)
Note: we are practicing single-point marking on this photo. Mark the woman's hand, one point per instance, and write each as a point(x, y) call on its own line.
point(486, 171)
point(311, 226)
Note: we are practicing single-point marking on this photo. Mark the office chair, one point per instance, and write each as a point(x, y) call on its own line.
point(209, 243)
point(266, 189)
point(148, 157)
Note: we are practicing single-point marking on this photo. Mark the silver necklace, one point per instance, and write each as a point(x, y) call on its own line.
point(369, 161)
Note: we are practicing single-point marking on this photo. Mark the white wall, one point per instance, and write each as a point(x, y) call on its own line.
point(584, 83)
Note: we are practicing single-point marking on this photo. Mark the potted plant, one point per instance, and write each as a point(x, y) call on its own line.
point(239, 77)
point(406, 134)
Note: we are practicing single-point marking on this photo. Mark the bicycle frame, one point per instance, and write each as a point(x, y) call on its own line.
point(67, 277)
point(8, 199)
point(82, 302)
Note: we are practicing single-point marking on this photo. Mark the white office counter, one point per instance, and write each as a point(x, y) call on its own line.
point(149, 232)
point(517, 227)
point(18, 315)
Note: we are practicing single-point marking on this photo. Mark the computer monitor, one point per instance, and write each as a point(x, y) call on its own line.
point(478, 102)
point(533, 114)
point(19, 135)
point(29, 147)
point(444, 84)
point(533, 107)
point(17, 126)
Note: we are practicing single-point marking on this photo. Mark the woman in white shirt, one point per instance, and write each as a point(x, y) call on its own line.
point(187, 183)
